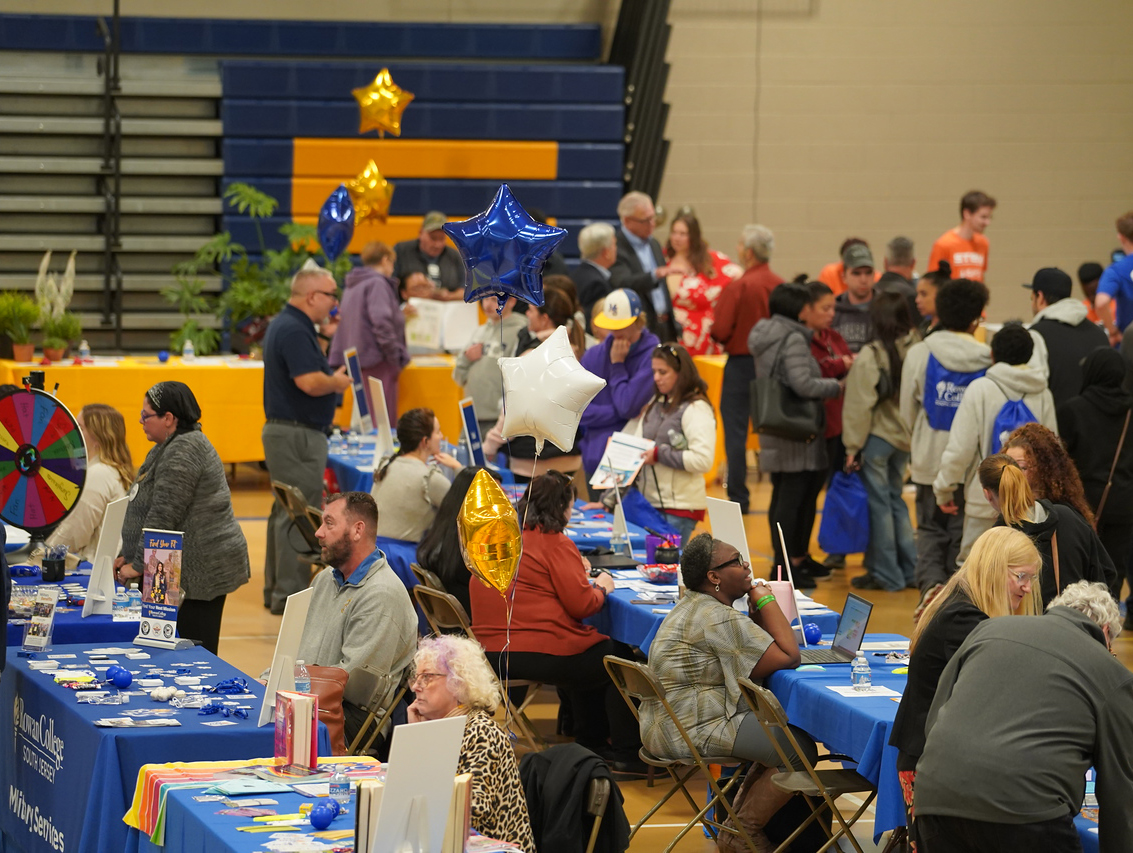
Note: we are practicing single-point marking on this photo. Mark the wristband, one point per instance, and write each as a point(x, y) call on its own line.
point(763, 602)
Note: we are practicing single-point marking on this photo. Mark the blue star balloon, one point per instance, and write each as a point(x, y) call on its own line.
point(504, 251)
point(336, 222)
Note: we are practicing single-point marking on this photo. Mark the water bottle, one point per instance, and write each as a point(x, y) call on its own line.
point(353, 443)
point(188, 352)
point(84, 351)
point(121, 604)
point(861, 676)
point(336, 441)
point(135, 596)
point(340, 787)
point(302, 678)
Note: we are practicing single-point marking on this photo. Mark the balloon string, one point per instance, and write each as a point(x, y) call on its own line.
point(509, 605)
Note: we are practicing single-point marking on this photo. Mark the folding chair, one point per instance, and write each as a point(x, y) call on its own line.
point(304, 518)
point(824, 785)
point(427, 578)
point(637, 681)
point(446, 614)
point(597, 797)
point(384, 695)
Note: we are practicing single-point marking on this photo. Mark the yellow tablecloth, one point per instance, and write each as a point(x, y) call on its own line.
point(711, 368)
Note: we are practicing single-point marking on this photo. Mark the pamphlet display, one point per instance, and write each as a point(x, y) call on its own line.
point(161, 587)
point(37, 632)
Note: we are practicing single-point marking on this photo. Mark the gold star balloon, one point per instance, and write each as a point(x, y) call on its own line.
point(381, 104)
point(371, 194)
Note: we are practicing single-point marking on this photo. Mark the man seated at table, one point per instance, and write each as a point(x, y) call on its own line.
point(360, 612)
point(1025, 707)
point(428, 267)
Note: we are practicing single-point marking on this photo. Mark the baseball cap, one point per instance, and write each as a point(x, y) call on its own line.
point(857, 255)
point(619, 310)
point(1052, 283)
point(433, 220)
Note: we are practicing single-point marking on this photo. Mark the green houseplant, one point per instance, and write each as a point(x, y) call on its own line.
point(18, 313)
point(253, 292)
point(59, 333)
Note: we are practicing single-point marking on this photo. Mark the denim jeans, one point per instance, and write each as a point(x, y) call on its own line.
point(892, 554)
point(683, 525)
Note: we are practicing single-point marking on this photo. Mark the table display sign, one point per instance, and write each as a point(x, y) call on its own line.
point(472, 431)
point(361, 419)
point(161, 586)
point(37, 632)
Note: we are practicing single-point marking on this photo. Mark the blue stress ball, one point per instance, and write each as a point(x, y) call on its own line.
point(163, 356)
point(336, 805)
point(322, 815)
point(119, 676)
point(812, 633)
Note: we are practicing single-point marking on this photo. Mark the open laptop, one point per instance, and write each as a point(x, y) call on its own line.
point(848, 637)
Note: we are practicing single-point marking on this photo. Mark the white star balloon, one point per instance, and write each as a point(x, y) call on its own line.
point(546, 391)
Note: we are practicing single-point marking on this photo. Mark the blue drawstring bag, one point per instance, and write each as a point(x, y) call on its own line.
point(845, 516)
point(642, 513)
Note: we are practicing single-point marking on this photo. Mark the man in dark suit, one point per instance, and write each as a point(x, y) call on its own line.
point(641, 267)
point(597, 243)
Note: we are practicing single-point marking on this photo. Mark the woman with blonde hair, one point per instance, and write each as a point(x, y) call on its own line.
point(110, 471)
point(999, 578)
point(1070, 548)
point(451, 677)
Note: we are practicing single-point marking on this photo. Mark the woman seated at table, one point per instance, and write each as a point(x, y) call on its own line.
point(1070, 549)
point(702, 649)
point(409, 487)
point(680, 420)
point(549, 642)
point(439, 550)
point(181, 486)
point(999, 578)
point(452, 678)
point(110, 471)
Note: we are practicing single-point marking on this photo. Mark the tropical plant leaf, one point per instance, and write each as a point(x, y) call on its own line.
point(247, 199)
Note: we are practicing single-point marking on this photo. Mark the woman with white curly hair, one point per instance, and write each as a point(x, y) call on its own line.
point(451, 677)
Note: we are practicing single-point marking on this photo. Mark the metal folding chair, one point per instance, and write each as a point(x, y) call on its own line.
point(637, 681)
point(820, 788)
point(304, 518)
point(384, 693)
point(427, 578)
point(444, 614)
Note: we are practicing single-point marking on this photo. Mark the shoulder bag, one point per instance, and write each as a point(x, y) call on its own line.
point(1112, 468)
point(778, 411)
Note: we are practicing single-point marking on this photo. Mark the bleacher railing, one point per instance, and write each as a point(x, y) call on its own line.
point(110, 176)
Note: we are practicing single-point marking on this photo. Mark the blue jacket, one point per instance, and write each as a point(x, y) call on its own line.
point(629, 386)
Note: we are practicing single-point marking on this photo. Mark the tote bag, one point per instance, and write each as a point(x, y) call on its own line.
point(845, 516)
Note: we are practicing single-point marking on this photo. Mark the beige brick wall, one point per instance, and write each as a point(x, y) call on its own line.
point(873, 117)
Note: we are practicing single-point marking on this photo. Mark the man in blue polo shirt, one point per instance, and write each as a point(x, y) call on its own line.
point(1116, 285)
point(299, 399)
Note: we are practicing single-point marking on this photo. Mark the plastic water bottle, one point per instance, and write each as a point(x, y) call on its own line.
point(302, 678)
point(84, 351)
point(135, 596)
point(353, 443)
point(340, 787)
point(188, 351)
point(336, 441)
point(861, 676)
point(121, 603)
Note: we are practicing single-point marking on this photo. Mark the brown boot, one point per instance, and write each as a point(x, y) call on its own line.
point(761, 799)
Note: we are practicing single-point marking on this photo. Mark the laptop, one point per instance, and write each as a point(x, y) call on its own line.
point(848, 637)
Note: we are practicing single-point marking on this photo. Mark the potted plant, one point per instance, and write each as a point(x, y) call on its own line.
point(252, 292)
point(18, 312)
point(59, 333)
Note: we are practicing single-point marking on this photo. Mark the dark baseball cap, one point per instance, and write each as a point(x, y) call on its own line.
point(434, 220)
point(856, 256)
point(1052, 283)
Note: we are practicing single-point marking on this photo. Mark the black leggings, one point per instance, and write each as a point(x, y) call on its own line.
point(598, 710)
point(794, 499)
point(200, 620)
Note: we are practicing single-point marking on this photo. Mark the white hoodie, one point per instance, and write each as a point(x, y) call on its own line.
point(970, 440)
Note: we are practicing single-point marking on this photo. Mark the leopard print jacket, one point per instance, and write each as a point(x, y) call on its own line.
point(499, 809)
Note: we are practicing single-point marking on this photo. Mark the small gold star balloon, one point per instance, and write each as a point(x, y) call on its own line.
point(371, 194)
point(381, 104)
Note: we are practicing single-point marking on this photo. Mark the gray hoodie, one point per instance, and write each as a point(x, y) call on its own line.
point(955, 351)
point(799, 370)
point(970, 440)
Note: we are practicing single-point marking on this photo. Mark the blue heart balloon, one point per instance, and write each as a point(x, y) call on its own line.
point(336, 222)
point(504, 251)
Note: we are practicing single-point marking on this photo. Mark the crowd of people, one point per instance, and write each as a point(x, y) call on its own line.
point(1016, 449)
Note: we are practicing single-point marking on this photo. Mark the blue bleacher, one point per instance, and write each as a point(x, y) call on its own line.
point(542, 42)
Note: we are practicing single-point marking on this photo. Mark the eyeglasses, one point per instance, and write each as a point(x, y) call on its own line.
point(422, 680)
point(642, 219)
point(1024, 578)
point(147, 415)
point(333, 294)
point(669, 348)
point(736, 560)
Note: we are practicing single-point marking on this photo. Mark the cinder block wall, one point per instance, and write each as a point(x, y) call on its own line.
point(833, 118)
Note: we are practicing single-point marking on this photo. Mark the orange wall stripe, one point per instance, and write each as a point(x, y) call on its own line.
point(427, 158)
point(394, 230)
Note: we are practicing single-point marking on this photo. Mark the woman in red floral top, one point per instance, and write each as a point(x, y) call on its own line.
point(694, 296)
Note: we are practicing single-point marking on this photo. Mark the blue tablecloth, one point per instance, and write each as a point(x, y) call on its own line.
point(68, 782)
point(71, 627)
point(637, 624)
point(1088, 838)
point(855, 726)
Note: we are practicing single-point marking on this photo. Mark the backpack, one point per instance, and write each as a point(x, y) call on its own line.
point(1012, 415)
point(943, 391)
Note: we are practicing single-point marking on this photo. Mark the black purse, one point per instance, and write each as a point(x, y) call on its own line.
point(776, 409)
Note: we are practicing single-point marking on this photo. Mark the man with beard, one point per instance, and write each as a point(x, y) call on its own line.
point(360, 613)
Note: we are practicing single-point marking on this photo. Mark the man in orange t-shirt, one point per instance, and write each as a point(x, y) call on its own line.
point(965, 247)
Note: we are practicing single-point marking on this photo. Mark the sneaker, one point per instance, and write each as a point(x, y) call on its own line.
point(835, 561)
point(926, 599)
point(866, 581)
point(803, 579)
point(816, 570)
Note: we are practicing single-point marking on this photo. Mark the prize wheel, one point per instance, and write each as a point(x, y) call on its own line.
point(43, 460)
